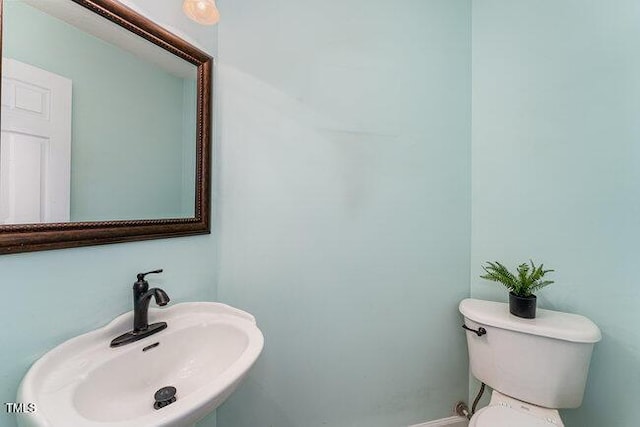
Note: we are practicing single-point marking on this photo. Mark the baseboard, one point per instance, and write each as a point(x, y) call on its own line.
point(448, 422)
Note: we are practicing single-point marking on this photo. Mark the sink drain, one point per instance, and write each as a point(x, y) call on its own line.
point(165, 396)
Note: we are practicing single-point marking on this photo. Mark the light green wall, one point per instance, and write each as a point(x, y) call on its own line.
point(556, 171)
point(51, 296)
point(128, 127)
point(344, 206)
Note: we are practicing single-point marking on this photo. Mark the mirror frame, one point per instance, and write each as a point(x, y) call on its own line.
point(37, 237)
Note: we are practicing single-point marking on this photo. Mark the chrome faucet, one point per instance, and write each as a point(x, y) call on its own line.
point(141, 299)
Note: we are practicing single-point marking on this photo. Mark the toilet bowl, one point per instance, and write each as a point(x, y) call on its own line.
point(504, 411)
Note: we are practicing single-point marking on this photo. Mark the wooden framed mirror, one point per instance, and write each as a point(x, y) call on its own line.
point(106, 127)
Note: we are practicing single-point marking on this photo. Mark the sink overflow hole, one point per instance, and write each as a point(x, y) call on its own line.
point(149, 347)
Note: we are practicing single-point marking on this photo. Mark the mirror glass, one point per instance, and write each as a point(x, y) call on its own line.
point(98, 124)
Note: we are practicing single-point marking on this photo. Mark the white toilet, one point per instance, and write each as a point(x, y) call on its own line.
point(534, 366)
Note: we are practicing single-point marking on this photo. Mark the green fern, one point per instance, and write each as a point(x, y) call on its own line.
point(526, 281)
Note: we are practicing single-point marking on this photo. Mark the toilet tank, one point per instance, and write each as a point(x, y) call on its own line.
point(543, 361)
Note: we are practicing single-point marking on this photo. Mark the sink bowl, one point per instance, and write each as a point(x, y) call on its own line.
point(205, 352)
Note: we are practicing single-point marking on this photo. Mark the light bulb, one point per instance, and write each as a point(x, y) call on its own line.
point(202, 11)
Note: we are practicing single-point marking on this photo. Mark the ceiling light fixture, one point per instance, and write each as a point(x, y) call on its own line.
point(203, 12)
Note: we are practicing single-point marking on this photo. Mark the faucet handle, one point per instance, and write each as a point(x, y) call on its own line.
point(142, 275)
point(142, 286)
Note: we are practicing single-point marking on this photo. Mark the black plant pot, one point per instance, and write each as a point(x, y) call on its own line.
point(524, 307)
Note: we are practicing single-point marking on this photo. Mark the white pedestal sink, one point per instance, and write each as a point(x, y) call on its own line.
point(205, 352)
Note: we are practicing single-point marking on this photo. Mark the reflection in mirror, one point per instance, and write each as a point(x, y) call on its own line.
point(98, 124)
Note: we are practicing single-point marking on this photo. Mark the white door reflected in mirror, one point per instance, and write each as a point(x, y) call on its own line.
point(35, 149)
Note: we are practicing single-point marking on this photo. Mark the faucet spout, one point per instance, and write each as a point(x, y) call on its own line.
point(161, 297)
point(141, 307)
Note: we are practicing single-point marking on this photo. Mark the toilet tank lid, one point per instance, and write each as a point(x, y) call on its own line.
point(548, 323)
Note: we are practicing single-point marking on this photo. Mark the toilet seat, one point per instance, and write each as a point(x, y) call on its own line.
point(505, 411)
point(504, 416)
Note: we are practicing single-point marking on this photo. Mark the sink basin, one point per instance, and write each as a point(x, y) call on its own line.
point(205, 352)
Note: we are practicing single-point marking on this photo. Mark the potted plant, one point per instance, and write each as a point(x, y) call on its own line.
point(522, 285)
